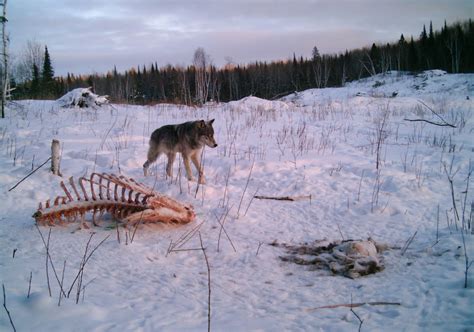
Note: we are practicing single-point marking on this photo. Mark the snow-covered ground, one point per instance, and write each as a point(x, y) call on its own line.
point(321, 143)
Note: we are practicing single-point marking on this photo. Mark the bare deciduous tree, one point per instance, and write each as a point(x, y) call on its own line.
point(202, 64)
point(32, 54)
point(5, 80)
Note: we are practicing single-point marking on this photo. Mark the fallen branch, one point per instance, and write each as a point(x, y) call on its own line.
point(284, 198)
point(431, 122)
point(352, 305)
point(439, 116)
point(31, 173)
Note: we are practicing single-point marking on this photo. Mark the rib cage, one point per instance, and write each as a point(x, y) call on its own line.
point(125, 199)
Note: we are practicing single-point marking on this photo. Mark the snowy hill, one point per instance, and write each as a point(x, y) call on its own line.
point(356, 165)
point(429, 83)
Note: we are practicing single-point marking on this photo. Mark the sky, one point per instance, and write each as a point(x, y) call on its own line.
point(85, 37)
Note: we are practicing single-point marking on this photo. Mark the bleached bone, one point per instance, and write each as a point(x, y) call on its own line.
point(124, 198)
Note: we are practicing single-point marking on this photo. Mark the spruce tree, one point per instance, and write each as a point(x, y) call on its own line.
point(48, 72)
point(47, 75)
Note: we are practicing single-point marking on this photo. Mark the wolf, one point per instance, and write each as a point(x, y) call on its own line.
point(188, 138)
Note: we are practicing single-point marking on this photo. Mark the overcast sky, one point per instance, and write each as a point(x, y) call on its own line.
point(84, 37)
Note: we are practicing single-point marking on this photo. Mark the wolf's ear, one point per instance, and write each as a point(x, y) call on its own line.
point(211, 121)
point(201, 124)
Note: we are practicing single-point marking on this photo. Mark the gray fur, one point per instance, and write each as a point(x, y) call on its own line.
point(186, 138)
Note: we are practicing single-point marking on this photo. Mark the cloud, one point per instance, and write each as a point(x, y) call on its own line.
point(94, 36)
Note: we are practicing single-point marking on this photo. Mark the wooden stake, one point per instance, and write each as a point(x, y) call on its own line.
point(55, 157)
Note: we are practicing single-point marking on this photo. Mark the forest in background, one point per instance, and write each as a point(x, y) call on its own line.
point(450, 49)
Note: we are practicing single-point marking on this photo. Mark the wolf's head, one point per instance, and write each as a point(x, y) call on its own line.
point(206, 133)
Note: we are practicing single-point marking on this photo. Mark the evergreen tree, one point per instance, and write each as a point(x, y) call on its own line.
point(48, 72)
point(401, 54)
point(375, 59)
point(412, 56)
point(35, 82)
point(425, 57)
point(450, 49)
point(47, 86)
point(315, 53)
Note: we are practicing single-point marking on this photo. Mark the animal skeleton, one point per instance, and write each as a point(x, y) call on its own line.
point(124, 198)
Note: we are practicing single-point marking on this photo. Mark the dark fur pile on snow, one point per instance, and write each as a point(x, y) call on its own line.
point(348, 258)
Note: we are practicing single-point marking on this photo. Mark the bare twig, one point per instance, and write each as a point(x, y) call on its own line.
point(258, 248)
point(468, 178)
point(466, 260)
point(409, 241)
point(81, 269)
point(431, 122)
point(360, 320)
point(208, 284)
point(181, 250)
point(29, 285)
point(450, 179)
point(183, 239)
point(245, 189)
point(62, 283)
point(50, 259)
point(6, 309)
point(223, 218)
point(29, 174)
point(340, 232)
point(437, 225)
point(353, 305)
point(251, 200)
point(47, 263)
point(437, 115)
point(223, 229)
point(85, 262)
point(284, 198)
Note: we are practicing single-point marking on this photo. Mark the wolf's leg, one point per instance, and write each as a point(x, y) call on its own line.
point(187, 166)
point(153, 154)
point(169, 166)
point(195, 158)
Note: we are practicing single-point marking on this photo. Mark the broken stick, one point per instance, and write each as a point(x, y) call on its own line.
point(352, 305)
point(285, 198)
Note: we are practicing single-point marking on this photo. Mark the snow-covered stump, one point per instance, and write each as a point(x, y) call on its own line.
point(82, 97)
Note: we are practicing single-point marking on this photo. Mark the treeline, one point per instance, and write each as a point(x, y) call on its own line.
point(450, 49)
